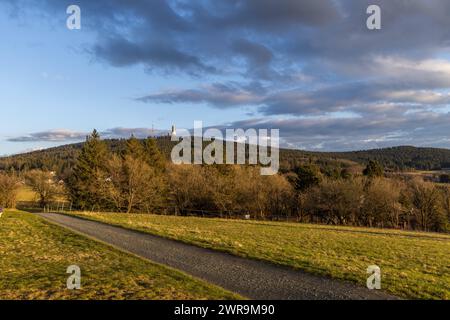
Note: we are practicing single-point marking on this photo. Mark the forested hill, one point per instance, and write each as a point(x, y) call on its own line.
point(395, 159)
point(61, 159)
point(400, 158)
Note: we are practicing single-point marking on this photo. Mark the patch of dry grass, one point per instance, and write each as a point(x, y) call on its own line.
point(26, 194)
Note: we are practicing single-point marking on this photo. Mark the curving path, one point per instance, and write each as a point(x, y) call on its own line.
point(250, 278)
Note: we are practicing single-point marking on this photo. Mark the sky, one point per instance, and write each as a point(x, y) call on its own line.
point(309, 68)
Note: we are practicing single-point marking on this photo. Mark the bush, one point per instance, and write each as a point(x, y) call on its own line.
point(236, 189)
point(9, 188)
point(424, 200)
point(336, 201)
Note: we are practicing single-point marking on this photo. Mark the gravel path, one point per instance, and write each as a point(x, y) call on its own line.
point(250, 278)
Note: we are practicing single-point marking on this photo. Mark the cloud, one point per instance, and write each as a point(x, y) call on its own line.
point(188, 36)
point(312, 62)
point(217, 95)
point(212, 35)
point(394, 90)
point(259, 38)
point(356, 133)
point(59, 135)
point(155, 54)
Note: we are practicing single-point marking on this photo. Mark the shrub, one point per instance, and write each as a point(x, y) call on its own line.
point(336, 201)
point(425, 203)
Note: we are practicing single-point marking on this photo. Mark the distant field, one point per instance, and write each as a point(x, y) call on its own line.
point(413, 264)
point(26, 194)
point(35, 255)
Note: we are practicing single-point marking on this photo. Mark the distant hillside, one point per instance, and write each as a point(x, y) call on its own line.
point(400, 158)
point(62, 159)
point(396, 158)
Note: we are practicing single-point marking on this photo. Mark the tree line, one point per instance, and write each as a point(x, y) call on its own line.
point(62, 159)
point(138, 178)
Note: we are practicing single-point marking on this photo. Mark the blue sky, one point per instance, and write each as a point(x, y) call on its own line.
point(308, 68)
point(49, 83)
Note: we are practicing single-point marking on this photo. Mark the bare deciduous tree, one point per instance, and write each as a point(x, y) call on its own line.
point(132, 185)
point(9, 188)
point(44, 184)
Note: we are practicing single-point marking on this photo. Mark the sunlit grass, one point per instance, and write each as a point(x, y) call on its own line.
point(34, 256)
point(26, 194)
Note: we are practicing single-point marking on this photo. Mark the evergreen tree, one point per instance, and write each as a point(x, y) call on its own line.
point(153, 155)
point(146, 151)
point(135, 149)
point(85, 183)
point(373, 169)
point(306, 177)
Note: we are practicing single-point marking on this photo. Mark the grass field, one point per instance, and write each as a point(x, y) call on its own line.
point(413, 265)
point(35, 255)
point(26, 194)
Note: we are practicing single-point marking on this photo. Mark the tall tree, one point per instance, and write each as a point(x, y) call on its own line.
point(133, 186)
point(44, 184)
point(153, 155)
point(84, 185)
point(146, 151)
point(427, 206)
point(134, 148)
point(305, 177)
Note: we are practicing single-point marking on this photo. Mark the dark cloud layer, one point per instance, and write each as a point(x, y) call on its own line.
point(314, 64)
